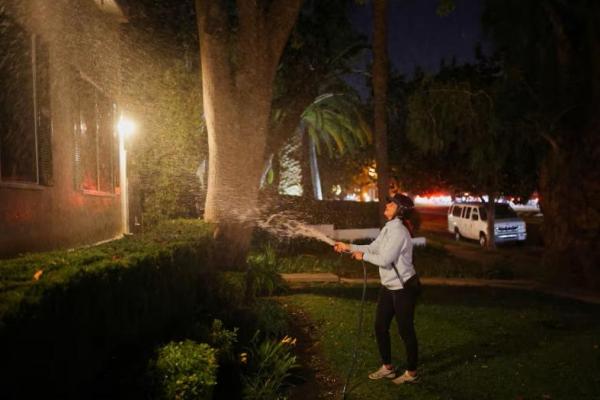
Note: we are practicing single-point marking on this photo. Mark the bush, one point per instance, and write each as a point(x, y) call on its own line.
point(271, 318)
point(342, 214)
point(62, 329)
point(186, 371)
point(268, 366)
point(223, 340)
point(263, 273)
point(231, 288)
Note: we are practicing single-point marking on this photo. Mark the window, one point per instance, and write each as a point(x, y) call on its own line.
point(96, 167)
point(483, 213)
point(457, 211)
point(501, 211)
point(474, 216)
point(25, 118)
point(504, 211)
point(467, 212)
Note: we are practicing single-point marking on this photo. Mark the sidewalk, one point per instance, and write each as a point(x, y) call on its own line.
point(574, 294)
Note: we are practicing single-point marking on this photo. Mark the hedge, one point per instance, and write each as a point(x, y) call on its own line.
point(57, 332)
point(342, 214)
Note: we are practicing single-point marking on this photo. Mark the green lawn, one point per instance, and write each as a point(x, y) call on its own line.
point(474, 343)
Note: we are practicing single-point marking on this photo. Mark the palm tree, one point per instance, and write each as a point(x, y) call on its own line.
point(333, 120)
point(309, 92)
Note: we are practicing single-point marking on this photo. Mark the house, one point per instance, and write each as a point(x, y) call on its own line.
point(60, 175)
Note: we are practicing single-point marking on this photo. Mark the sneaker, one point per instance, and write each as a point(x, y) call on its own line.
point(406, 378)
point(383, 372)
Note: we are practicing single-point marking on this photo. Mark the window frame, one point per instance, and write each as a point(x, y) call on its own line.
point(457, 212)
point(467, 214)
point(37, 184)
point(81, 78)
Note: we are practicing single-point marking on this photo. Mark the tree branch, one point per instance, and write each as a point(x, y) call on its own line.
point(213, 31)
point(250, 37)
point(281, 16)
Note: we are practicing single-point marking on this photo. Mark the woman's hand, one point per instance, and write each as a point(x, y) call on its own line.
point(358, 255)
point(341, 247)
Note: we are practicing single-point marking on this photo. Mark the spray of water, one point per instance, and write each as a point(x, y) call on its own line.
point(287, 224)
point(282, 224)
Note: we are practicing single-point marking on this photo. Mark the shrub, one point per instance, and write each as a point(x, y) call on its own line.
point(271, 318)
point(230, 288)
point(342, 214)
point(263, 273)
point(268, 366)
point(186, 370)
point(62, 329)
point(323, 262)
point(223, 340)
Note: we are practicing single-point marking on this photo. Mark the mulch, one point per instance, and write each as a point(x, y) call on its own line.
point(314, 378)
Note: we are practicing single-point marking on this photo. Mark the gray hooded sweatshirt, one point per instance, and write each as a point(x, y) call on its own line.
point(392, 245)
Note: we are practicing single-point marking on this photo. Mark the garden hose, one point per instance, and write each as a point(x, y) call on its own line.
point(345, 390)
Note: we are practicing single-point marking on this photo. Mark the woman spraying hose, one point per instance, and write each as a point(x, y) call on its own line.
point(392, 252)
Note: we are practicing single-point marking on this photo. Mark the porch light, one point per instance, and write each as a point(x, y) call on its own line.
point(126, 127)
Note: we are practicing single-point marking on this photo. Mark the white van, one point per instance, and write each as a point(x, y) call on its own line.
point(469, 220)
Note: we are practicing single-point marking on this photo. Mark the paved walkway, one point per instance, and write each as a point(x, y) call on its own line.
point(574, 294)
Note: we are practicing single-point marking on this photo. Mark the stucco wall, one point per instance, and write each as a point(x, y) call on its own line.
point(82, 40)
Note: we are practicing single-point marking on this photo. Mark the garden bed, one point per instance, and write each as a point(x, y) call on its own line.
point(123, 319)
point(64, 314)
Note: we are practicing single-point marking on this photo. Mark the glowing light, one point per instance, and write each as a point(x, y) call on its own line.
point(372, 172)
point(126, 127)
point(436, 199)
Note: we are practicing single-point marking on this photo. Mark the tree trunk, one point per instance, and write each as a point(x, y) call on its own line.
point(308, 189)
point(380, 82)
point(569, 192)
point(314, 170)
point(237, 82)
point(491, 212)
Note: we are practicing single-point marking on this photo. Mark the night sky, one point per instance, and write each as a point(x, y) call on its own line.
point(419, 37)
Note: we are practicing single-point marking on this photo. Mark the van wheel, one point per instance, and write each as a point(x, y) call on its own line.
point(456, 234)
point(482, 239)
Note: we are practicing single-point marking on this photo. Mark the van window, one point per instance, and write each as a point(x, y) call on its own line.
point(457, 211)
point(475, 216)
point(500, 210)
point(468, 213)
point(504, 211)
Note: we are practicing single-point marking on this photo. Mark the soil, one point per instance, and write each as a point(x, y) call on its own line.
point(314, 379)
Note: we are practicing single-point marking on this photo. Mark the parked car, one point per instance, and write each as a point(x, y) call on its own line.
point(469, 220)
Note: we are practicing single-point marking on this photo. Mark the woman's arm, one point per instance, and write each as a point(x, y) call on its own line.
point(388, 250)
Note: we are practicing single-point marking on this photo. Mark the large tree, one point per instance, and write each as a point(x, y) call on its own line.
point(469, 114)
point(240, 49)
point(553, 47)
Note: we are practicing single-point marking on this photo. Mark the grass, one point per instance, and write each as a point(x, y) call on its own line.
point(475, 343)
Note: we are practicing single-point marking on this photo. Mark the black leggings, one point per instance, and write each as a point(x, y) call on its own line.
point(400, 303)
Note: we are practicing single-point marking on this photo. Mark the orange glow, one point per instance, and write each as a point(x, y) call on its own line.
point(38, 275)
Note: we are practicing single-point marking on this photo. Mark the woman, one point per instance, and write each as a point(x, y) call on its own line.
point(392, 252)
